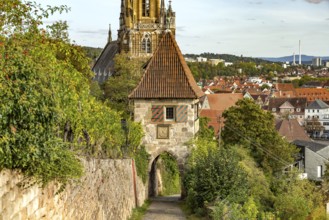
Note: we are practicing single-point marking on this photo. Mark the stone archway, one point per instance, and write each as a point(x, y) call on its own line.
point(154, 183)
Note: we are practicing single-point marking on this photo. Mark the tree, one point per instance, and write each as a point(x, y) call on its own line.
point(295, 198)
point(246, 124)
point(313, 126)
point(128, 72)
point(47, 115)
point(214, 174)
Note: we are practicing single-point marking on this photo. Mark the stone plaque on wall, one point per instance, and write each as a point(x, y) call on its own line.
point(163, 132)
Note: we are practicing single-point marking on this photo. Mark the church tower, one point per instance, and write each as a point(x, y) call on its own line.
point(142, 25)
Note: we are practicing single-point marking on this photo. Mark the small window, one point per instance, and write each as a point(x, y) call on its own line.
point(170, 113)
point(318, 111)
point(298, 110)
point(319, 172)
point(196, 111)
point(273, 109)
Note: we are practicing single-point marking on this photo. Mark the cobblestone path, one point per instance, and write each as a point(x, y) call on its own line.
point(165, 208)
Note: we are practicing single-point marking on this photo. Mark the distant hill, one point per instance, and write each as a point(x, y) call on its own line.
point(306, 59)
point(228, 58)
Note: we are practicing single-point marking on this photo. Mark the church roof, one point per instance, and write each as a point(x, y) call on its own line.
point(167, 75)
point(105, 62)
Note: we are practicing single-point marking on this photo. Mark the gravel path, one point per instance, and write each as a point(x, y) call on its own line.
point(165, 208)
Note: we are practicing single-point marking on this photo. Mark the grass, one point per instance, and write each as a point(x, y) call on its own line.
point(139, 212)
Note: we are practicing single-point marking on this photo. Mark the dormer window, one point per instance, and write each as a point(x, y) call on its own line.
point(273, 109)
point(298, 110)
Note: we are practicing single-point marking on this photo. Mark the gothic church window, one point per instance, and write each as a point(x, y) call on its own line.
point(146, 8)
point(146, 45)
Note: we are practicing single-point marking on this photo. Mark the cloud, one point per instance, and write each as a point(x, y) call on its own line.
point(327, 19)
point(251, 19)
point(316, 1)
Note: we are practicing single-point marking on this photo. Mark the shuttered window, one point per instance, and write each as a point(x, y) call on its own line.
point(169, 113)
point(157, 113)
point(181, 113)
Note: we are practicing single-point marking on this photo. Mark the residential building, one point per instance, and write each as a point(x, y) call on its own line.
point(201, 59)
point(312, 158)
point(294, 107)
point(318, 110)
point(215, 62)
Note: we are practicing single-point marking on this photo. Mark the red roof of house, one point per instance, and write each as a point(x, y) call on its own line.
point(291, 130)
point(218, 104)
point(313, 93)
point(223, 101)
point(167, 75)
point(213, 116)
point(284, 86)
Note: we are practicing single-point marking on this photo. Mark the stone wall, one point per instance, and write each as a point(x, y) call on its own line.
point(106, 191)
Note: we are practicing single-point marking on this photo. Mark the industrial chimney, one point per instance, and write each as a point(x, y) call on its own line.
point(300, 53)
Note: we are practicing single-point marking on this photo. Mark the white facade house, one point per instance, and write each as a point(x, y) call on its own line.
point(318, 110)
point(201, 59)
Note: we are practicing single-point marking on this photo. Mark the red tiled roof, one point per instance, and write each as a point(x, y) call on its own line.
point(213, 118)
point(291, 130)
point(313, 93)
point(223, 101)
point(284, 87)
point(218, 104)
point(167, 75)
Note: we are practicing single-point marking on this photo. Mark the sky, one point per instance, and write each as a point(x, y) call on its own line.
point(255, 28)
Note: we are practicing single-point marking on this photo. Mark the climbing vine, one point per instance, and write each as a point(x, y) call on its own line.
point(142, 161)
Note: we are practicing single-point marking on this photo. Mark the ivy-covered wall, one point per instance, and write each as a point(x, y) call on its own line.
point(109, 189)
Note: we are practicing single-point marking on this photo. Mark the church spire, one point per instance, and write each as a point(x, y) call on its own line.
point(162, 12)
point(170, 11)
point(109, 39)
